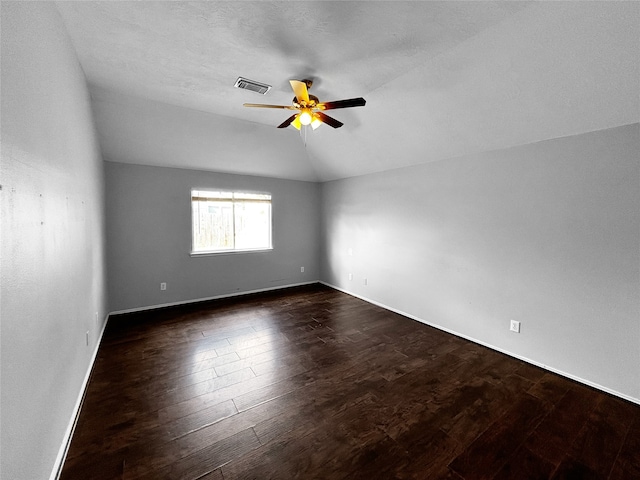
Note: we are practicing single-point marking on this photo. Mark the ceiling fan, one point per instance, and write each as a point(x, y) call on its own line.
point(310, 109)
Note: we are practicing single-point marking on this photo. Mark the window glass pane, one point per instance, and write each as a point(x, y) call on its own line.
point(253, 225)
point(212, 225)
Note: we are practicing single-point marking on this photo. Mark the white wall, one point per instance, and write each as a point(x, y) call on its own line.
point(52, 275)
point(547, 234)
point(149, 237)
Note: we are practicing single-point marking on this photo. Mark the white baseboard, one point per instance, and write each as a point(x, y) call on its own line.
point(68, 434)
point(206, 299)
point(493, 347)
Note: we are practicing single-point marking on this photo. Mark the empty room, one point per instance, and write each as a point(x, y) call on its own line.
point(320, 240)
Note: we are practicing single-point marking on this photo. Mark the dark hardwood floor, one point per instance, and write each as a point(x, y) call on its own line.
point(311, 383)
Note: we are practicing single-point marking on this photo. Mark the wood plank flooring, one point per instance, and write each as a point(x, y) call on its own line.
point(310, 383)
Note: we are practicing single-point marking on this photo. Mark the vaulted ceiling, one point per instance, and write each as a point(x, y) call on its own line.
point(441, 79)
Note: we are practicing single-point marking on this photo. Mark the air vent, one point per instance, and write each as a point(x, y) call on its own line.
point(245, 83)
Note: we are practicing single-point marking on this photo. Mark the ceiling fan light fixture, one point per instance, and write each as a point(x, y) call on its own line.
point(316, 122)
point(305, 117)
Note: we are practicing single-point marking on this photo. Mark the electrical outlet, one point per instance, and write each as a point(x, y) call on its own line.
point(514, 326)
point(301, 269)
point(351, 276)
point(163, 286)
point(87, 337)
point(366, 282)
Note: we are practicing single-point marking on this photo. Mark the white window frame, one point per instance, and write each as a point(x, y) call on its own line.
point(226, 251)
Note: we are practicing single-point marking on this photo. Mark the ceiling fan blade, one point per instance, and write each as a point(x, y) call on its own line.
point(288, 121)
point(300, 89)
point(332, 122)
point(262, 105)
point(351, 102)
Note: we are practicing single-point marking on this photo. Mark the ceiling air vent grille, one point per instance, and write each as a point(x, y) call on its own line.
point(246, 84)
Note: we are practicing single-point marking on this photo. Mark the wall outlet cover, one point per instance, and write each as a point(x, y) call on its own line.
point(515, 326)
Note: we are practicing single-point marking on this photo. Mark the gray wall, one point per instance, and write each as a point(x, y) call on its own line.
point(149, 237)
point(547, 234)
point(52, 275)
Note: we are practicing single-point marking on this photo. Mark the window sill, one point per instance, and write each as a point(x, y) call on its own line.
point(229, 252)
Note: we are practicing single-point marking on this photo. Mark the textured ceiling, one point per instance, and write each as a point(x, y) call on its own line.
point(441, 79)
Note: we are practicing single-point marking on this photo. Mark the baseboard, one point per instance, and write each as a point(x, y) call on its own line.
point(68, 434)
point(206, 299)
point(492, 347)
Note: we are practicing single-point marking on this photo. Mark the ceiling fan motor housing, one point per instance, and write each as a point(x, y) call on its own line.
point(313, 101)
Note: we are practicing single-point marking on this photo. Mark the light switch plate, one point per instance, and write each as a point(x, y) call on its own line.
point(515, 326)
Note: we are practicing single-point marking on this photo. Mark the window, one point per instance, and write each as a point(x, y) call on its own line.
point(230, 221)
